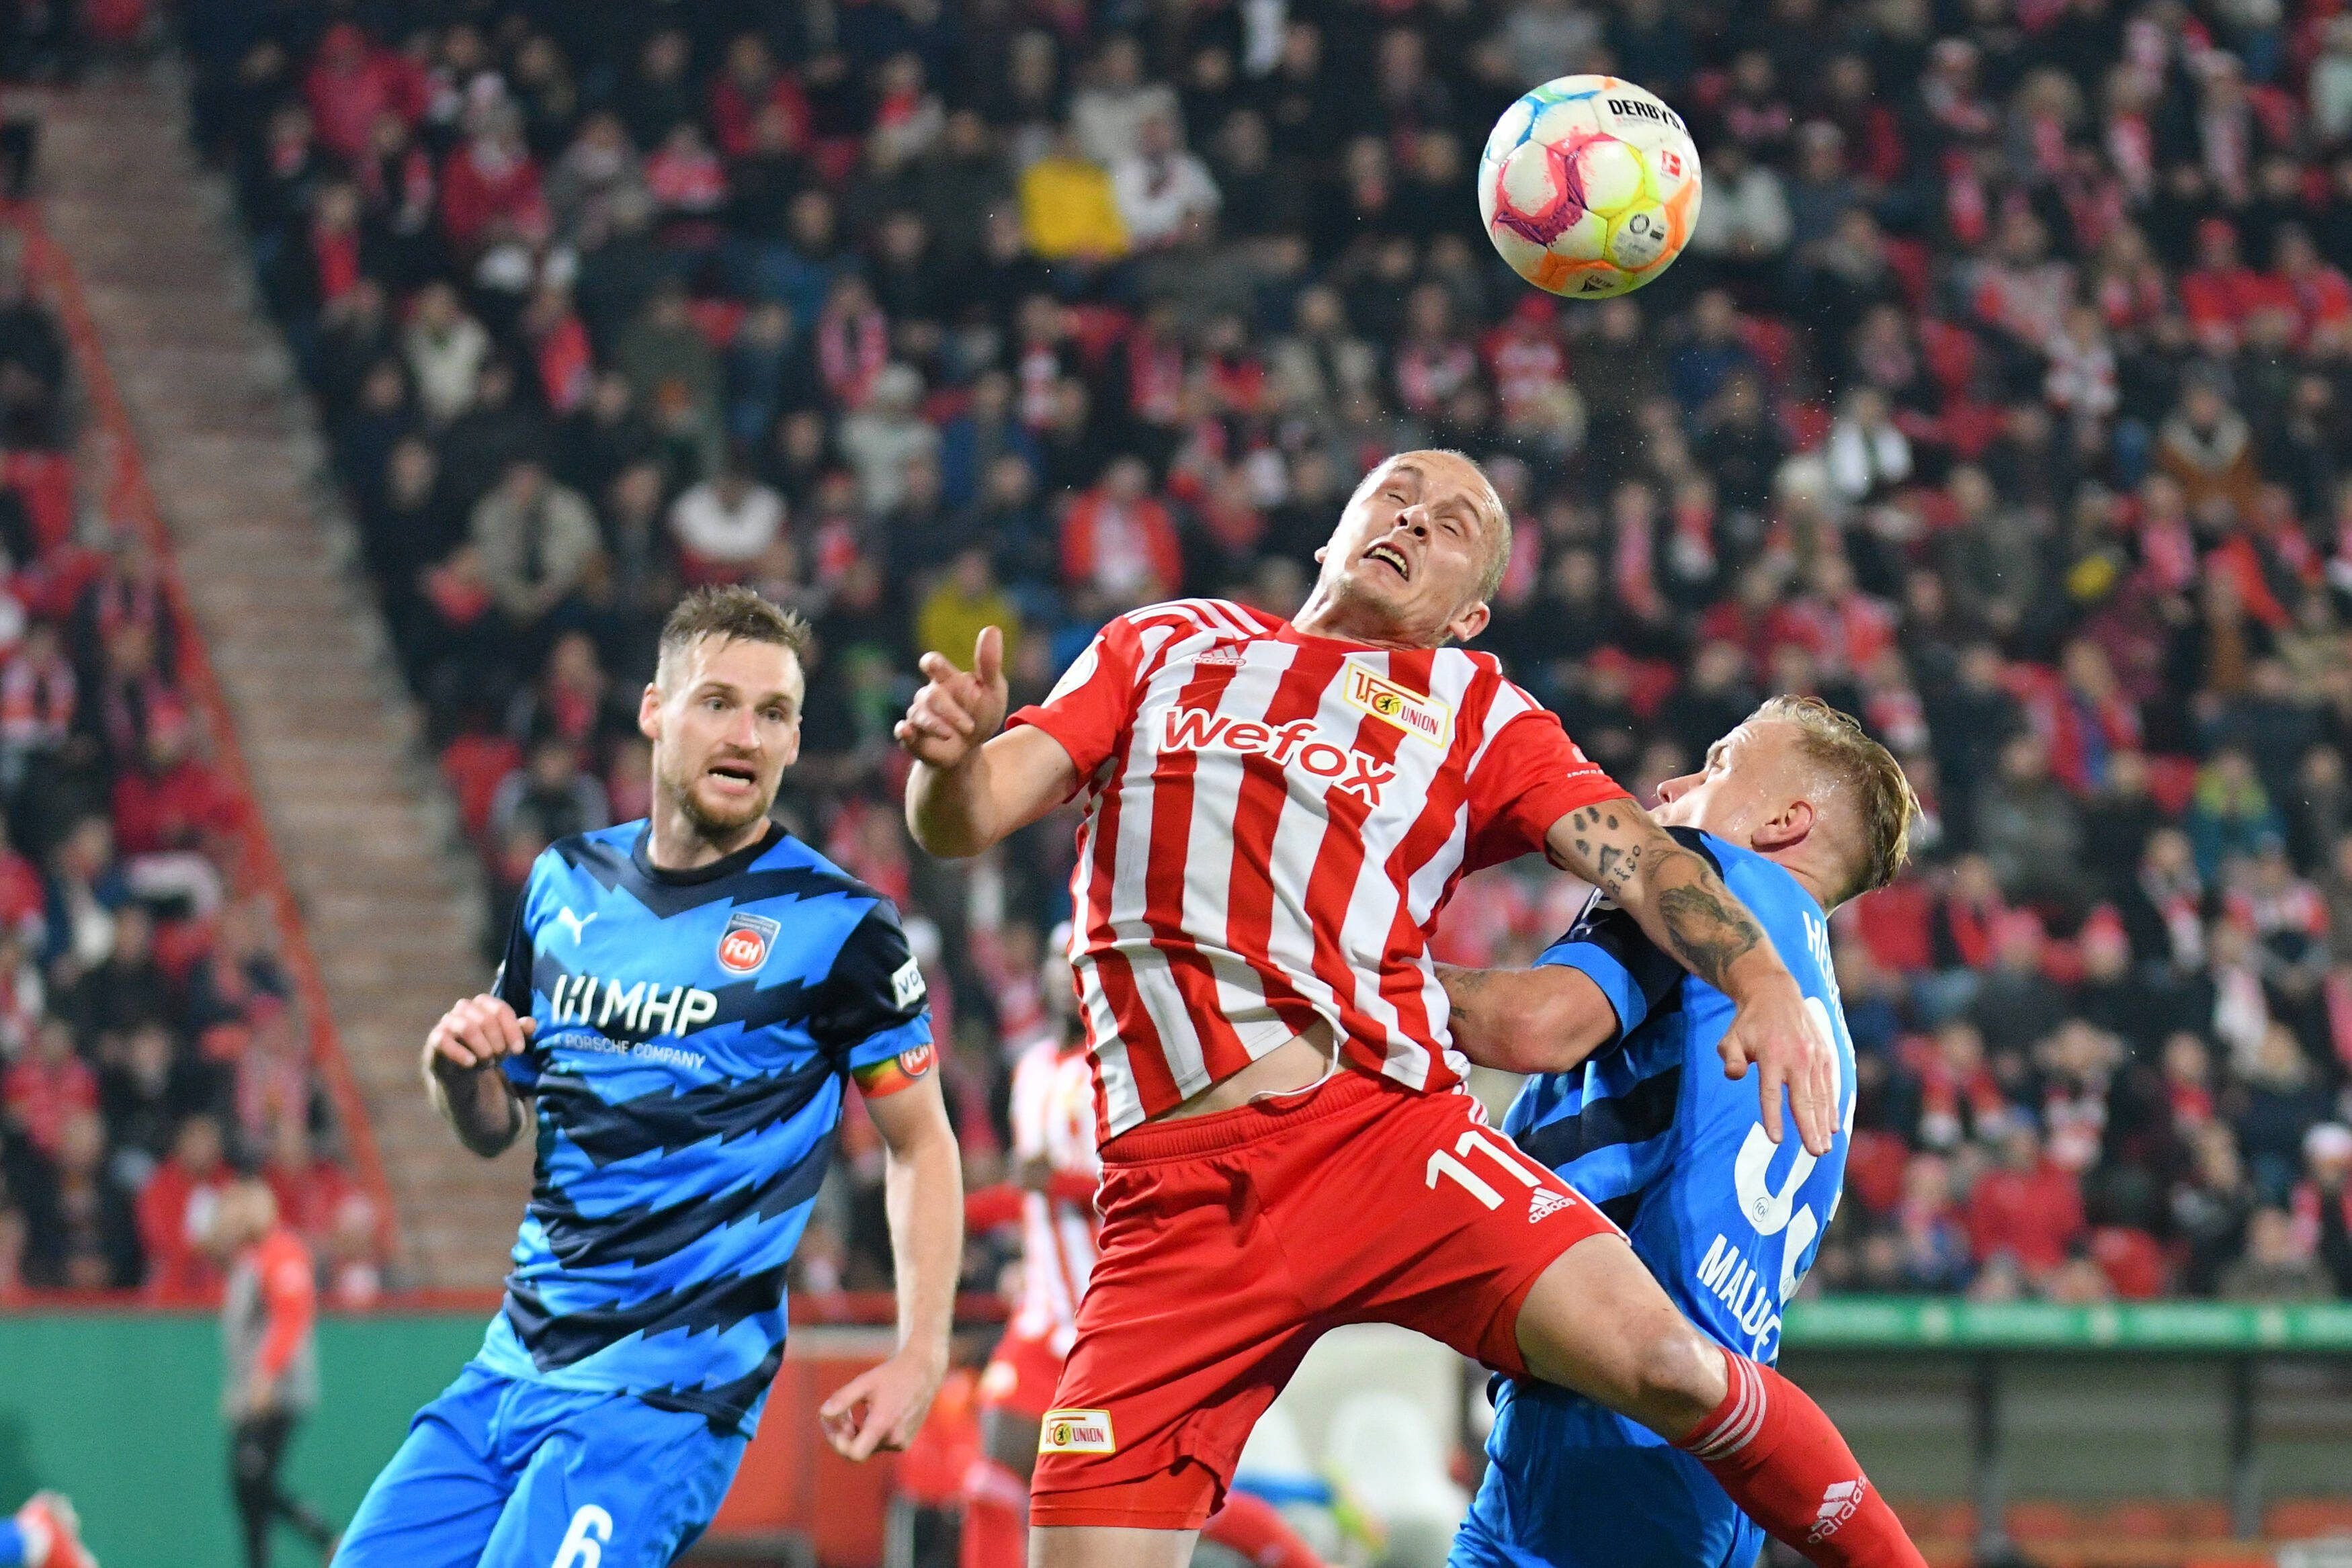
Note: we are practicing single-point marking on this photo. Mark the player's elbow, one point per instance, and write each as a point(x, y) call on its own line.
point(940, 830)
point(1552, 1030)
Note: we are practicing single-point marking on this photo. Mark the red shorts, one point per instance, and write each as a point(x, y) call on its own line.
point(1021, 1376)
point(1231, 1242)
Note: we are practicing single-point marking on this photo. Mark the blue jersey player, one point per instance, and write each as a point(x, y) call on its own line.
point(683, 1004)
point(1799, 811)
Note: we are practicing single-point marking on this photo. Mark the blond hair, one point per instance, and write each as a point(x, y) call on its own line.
point(1837, 743)
point(728, 611)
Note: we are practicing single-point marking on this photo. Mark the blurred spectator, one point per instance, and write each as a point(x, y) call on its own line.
point(2278, 1265)
point(725, 524)
point(538, 542)
point(2323, 1202)
point(549, 796)
point(175, 1214)
point(2026, 1207)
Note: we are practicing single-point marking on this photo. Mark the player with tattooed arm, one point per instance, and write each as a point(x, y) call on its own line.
point(1275, 814)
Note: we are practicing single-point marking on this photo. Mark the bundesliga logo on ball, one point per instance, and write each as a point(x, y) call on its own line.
point(1589, 186)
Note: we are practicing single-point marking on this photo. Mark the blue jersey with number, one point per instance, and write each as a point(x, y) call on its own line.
point(696, 1031)
point(1651, 1129)
point(1653, 1132)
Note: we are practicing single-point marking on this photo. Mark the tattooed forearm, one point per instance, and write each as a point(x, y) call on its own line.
point(1676, 895)
point(1615, 867)
point(1608, 845)
point(1470, 998)
point(1705, 927)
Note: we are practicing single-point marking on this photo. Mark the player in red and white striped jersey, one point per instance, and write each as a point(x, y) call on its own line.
point(1055, 1170)
point(1275, 812)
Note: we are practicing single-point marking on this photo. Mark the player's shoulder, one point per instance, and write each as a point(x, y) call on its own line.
point(1791, 916)
point(600, 855)
point(1745, 870)
point(597, 846)
point(1481, 685)
point(1217, 617)
point(794, 873)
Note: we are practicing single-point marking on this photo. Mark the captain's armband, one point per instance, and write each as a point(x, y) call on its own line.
point(892, 1073)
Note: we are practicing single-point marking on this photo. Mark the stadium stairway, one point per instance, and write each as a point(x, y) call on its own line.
point(359, 820)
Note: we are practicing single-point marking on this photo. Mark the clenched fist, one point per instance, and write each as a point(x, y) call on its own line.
point(474, 1034)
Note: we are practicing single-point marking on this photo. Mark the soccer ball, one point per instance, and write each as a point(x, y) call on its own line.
point(1589, 186)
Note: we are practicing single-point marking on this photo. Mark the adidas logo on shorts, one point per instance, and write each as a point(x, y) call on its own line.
point(1543, 1203)
point(1838, 1505)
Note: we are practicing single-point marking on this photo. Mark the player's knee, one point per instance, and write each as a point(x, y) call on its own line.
point(1678, 1379)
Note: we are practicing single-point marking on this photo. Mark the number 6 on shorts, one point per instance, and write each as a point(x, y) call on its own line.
point(583, 1543)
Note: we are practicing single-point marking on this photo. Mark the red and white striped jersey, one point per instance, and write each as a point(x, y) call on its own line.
point(1273, 822)
point(1053, 1120)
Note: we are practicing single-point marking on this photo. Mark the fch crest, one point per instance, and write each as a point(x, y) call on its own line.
point(743, 945)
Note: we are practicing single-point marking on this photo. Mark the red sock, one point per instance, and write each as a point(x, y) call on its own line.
point(1255, 1529)
point(995, 1517)
point(1786, 1466)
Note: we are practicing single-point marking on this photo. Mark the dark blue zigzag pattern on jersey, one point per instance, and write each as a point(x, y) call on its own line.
point(1622, 1210)
point(607, 1131)
point(611, 866)
point(649, 1233)
point(559, 1337)
point(724, 1403)
point(1636, 1117)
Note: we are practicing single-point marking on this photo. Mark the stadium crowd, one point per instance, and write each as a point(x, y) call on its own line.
point(150, 1044)
point(2004, 398)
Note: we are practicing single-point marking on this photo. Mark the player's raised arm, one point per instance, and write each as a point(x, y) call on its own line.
point(1526, 1021)
point(1684, 907)
point(463, 1052)
point(970, 786)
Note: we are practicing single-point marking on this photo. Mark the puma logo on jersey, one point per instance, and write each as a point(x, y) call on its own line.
point(1190, 729)
point(577, 922)
point(1423, 718)
point(1841, 1502)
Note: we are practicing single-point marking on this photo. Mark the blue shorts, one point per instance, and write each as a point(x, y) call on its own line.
point(502, 1473)
point(1570, 1483)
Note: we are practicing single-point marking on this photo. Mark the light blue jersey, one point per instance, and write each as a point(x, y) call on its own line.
point(697, 1032)
point(1728, 1221)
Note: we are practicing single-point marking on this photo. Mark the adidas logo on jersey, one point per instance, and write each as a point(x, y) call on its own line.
point(1543, 1203)
point(1223, 653)
point(1190, 729)
point(1840, 1503)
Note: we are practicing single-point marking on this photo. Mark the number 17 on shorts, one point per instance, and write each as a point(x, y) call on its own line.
point(1497, 1157)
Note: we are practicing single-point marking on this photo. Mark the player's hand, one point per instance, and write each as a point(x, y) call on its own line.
point(474, 1034)
point(956, 710)
point(884, 1407)
point(1792, 1050)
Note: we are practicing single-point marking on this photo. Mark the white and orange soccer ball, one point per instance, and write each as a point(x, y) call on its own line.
point(1589, 186)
